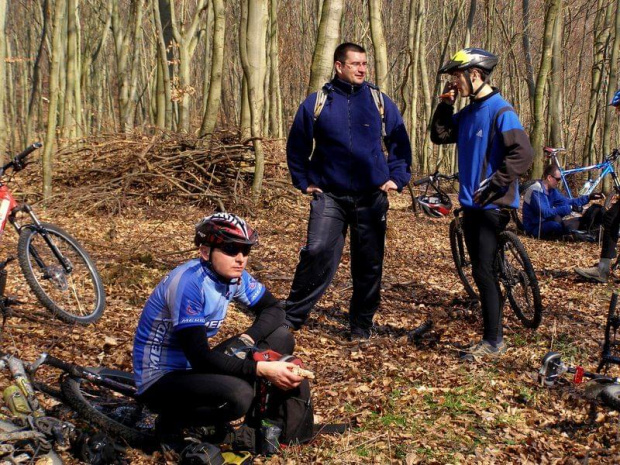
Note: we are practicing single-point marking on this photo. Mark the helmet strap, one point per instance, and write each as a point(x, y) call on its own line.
point(474, 93)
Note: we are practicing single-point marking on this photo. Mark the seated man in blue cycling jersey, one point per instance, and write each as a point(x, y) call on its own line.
point(544, 208)
point(178, 373)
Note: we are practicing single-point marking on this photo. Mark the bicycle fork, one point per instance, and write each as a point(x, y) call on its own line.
point(38, 227)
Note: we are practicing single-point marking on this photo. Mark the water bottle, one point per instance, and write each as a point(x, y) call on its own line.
point(586, 187)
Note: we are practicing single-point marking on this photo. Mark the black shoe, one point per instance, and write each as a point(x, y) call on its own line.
point(360, 334)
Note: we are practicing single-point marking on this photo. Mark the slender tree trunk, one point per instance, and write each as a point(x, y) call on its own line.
point(529, 67)
point(252, 51)
point(379, 44)
point(555, 84)
point(164, 94)
point(601, 37)
point(3, 50)
point(35, 92)
point(275, 107)
point(613, 83)
point(54, 88)
point(541, 80)
point(326, 42)
point(470, 22)
point(209, 119)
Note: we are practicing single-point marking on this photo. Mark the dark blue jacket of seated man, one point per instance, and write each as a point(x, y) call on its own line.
point(544, 208)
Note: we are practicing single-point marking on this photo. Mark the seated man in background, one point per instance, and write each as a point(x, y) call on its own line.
point(544, 208)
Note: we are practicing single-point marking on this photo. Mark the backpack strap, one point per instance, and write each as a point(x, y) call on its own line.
point(487, 156)
point(377, 97)
point(321, 98)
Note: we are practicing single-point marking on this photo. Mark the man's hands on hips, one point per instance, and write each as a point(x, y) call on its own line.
point(388, 186)
point(311, 189)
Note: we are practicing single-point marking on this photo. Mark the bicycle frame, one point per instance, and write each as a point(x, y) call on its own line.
point(606, 167)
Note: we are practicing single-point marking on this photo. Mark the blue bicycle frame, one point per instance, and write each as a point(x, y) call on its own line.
point(606, 167)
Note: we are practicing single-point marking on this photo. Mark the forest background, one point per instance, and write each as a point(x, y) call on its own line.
point(153, 111)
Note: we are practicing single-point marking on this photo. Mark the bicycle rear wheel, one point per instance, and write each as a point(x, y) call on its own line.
point(461, 259)
point(75, 297)
point(518, 278)
point(118, 414)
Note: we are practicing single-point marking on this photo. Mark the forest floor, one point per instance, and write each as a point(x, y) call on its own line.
point(404, 404)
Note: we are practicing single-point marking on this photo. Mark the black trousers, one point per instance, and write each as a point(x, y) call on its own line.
point(330, 216)
point(611, 227)
point(189, 398)
point(481, 229)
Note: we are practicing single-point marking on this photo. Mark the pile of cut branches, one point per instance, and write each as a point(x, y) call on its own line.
point(108, 173)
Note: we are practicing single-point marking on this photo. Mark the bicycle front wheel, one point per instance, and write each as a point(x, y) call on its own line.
point(76, 296)
point(461, 258)
point(116, 413)
point(519, 281)
point(610, 395)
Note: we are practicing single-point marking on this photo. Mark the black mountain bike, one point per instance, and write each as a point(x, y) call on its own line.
point(513, 269)
point(56, 267)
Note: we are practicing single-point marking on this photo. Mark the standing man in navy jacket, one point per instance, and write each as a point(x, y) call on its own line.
point(349, 177)
point(493, 151)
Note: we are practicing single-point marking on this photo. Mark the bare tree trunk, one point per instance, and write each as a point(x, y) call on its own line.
point(36, 70)
point(245, 120)
point(470, 22)
point(69, 120)
point(529, 67)
point(217, 63)
point(50, 137)
point(3, 50)
point(327, 40)
point(275, 107)
point(555, 84)
point(601, 37)
point(163, 93)
point(379, 44)
point(416, 16)
point(612, 85)
point(252, 51)
point(541, 81)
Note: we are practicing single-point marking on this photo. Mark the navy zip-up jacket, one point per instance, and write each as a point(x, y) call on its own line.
point(501, 153)
point(348, 157)
point(541, 205)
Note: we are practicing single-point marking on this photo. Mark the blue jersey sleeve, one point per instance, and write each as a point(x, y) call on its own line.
point(185, 301)
point(249, 291)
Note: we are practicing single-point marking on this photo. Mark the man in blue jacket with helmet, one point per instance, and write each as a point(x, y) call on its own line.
point(493, 150)
point(349, 176)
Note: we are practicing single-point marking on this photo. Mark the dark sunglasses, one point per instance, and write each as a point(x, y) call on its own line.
point(232, 250)
point(557, 179)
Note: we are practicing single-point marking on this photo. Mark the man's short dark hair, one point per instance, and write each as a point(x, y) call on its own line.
point(550, 170)
point(340, 54)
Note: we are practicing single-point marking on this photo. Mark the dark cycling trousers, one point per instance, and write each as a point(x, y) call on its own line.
point(189, 398)
point(481, 229)
point(330, 216)
point(611, 228)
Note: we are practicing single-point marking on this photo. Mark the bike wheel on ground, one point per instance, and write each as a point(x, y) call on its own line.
point(610, 395)
point(118, 414)
point(75, 297)
point(518, 279)
point(461, 259)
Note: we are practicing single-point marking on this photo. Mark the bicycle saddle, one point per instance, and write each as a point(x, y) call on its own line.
point(553, 150)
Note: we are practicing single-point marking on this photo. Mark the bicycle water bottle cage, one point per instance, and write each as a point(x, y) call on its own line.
point(551, 369)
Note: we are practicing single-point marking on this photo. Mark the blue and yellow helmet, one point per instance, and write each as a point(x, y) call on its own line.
point(470, 58)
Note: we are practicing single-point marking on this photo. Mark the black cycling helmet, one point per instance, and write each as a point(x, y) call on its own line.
point(435, 206)
point(224, 228)
point(470, 58)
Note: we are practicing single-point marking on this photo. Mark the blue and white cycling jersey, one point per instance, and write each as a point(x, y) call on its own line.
point(191, 295)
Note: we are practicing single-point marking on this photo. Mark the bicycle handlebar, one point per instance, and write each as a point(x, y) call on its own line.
point(17, 162)
point(435, 175)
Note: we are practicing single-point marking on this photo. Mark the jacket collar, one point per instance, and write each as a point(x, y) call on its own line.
point(346, 87)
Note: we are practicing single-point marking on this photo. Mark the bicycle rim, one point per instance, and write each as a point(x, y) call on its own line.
point(114, 412)
point(76, 297)
point(517, 277)
point(610, 395)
